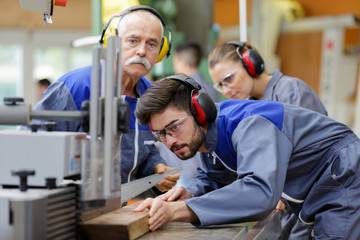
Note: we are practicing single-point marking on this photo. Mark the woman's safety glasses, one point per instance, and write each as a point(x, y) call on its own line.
point(225, 82)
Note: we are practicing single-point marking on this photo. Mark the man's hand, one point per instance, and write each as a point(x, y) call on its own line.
point(280, 205)
point(160, 212)
point(169, 181)
point(176, 193)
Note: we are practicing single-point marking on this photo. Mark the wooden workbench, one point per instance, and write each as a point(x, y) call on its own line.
point(236, 231)
point(184, 231)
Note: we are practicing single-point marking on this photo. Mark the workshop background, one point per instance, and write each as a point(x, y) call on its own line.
point(316, 41)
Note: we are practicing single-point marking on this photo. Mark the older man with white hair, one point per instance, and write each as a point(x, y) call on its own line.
point(143, 44)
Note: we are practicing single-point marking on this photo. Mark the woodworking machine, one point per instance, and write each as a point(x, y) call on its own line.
point(48, 178)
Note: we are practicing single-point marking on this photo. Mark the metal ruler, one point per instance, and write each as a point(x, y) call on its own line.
point(132, 189)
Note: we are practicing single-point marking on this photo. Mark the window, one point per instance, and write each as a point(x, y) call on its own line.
point(27, 57)
point(10, 70)
point(53, 62)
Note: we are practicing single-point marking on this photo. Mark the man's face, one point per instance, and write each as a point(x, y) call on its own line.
point(179, 132)
point(141, 34)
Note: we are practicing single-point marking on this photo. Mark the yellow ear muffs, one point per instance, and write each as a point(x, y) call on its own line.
point(113, 31)
point(164, 49)
point(165, 43)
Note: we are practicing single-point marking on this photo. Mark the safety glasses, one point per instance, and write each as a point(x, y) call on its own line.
point(172, 129)
point(226, 81)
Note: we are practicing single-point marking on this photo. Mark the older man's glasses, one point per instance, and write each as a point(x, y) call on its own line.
point(172, 129)
point(226, 81)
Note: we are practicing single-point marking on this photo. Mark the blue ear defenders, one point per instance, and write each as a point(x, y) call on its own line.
point(251, 59)
point(165, 43)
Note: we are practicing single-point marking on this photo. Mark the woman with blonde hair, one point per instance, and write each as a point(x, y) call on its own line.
point(238, 72)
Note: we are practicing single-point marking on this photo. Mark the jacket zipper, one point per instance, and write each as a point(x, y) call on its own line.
point(214, 155)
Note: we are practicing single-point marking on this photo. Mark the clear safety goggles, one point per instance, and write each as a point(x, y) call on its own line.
point(173, 130)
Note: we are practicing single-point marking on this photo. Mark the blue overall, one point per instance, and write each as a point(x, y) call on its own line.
point(291, 90)
point(279, 150)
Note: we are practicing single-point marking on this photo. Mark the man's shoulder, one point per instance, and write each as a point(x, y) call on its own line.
point(245, 108)
point(198, 77)
point(145, 81)
point(144, 84)
point(80, 74)
point(77, 83)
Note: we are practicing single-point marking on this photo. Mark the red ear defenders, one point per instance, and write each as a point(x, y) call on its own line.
point(165, 43)
point(202, 106)
point(251, 59)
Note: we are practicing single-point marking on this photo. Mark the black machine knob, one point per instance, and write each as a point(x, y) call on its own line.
point(50, 126)
point(35, 127)
point(23, 175)
point(13, 100)
point(50, 183)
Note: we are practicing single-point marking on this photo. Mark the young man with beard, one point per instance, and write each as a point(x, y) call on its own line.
point(141, 30)
point(274, 149)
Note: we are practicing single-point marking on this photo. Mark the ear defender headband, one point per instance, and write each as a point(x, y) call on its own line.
point(251, 59)
point(202, 106)
point(165, 46)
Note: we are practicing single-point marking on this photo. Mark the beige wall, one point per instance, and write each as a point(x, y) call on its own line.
point(76, 15)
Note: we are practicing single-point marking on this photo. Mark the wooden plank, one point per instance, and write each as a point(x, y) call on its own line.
point(122, 223)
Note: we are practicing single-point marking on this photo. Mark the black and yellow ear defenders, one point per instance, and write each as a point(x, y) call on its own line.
point(165, 43)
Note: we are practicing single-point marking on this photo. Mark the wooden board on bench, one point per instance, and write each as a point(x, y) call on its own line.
point(122, 223)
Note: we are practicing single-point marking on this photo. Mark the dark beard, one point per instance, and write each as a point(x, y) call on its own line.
point(198, 139)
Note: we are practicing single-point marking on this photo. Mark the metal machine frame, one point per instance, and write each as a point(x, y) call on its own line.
point(107, 116)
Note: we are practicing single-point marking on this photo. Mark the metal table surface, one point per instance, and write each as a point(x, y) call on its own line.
point(180, 230)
